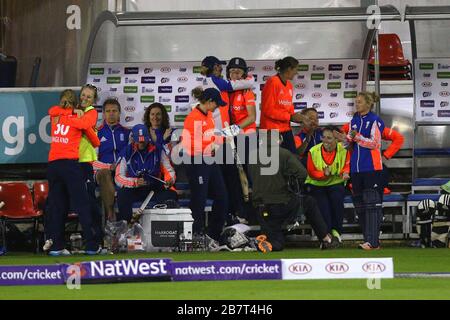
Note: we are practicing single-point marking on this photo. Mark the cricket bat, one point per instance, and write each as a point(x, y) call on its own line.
point(141, 209)
point(242, 175)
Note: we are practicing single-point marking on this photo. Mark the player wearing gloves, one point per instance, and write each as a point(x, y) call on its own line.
point(139, 171)
point(199, 142)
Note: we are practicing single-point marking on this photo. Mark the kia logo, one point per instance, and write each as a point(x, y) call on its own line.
point(130, 108)
point(267, 68)
point(336, 267)
point(426, 84)
point(182, 79)
point(373, 267)
point(444, 93)
point(165, 69)
point(333, 104)
point(300, 268)
point(316, 95)
point(300, 86)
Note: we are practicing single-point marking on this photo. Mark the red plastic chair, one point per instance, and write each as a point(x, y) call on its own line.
point(391, 51)
point(18, 208)
point(40, 194)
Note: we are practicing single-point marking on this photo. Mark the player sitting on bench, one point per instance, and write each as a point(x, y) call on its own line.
point(140, 171)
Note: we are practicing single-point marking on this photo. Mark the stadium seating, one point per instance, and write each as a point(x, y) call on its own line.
point(393, 64)
point(428, 184)
point(18, 208)
point(389, 201)
point(40, 194)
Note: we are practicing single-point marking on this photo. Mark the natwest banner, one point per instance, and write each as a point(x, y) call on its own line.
point(30, 275)
point(120, 270)
point(226, 270)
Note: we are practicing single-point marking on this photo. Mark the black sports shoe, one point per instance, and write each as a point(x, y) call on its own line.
point(331, 244)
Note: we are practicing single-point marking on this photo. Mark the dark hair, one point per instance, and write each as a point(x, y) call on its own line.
point(305, 111)
point(92, 87)
point(330, 128)
point(283, 64)
point(197, 93)
point(206, 71)
point(165, 124)
point(113, 102)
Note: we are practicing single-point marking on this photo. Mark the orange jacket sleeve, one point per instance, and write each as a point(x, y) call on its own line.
point(59, 111)
point(312, 170)
point(345, 128)
point(346, 168)
point(92, 137)
point(397, 141)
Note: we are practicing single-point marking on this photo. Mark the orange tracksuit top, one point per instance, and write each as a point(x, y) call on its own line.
point(239, 100)
point(66, 134)
point(276, 105)
point(198, 133)
point(387, 134)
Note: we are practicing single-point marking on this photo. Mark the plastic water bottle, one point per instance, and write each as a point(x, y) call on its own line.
point(189, 242)
point(181, 242)
point(76, 242)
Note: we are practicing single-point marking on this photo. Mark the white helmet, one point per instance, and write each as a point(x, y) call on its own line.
point(426, 209)
point(443, 205)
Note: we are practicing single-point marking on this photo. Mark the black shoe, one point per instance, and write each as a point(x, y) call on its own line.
point(331, 244)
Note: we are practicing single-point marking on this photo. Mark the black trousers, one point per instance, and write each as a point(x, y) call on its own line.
point(67, 190)
point(273, 216)
point(288, 141)
point(96, 215)
point(205, 180)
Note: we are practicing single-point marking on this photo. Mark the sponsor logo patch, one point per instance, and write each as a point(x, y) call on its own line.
point(164, 89)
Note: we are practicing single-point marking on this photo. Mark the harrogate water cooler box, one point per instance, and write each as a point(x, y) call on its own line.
point(163, 228)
